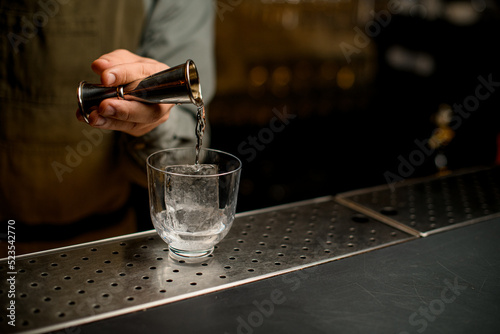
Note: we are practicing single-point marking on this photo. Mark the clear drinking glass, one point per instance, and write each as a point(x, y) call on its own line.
point(192, 205)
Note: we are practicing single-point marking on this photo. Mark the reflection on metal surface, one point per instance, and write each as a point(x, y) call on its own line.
point(430, 205)
point(70, 286)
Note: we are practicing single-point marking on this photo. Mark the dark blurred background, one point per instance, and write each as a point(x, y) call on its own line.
point(320, 97)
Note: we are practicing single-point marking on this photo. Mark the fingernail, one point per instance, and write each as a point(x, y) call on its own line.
point(111, 78)
point(109, 111)
point(100, 121)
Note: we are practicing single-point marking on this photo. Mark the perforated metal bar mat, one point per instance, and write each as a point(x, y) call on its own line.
point(69, 286)
point(430, 205)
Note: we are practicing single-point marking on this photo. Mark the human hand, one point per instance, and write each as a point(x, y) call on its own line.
point(135, 118)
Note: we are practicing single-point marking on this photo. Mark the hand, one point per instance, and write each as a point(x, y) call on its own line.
point(135, 118)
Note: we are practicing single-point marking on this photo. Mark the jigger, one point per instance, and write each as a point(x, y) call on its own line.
point(176, 85)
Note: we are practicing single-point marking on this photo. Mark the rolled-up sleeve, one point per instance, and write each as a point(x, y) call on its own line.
point(174, 31)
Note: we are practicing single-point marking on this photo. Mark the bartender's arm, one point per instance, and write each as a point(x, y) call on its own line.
point(175, 31)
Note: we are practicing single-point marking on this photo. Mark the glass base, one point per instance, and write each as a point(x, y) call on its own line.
point(184, 254)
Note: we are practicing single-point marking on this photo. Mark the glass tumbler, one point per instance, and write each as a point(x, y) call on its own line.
point(192, 205)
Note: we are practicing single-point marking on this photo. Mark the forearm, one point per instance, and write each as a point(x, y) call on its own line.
point(174, 32)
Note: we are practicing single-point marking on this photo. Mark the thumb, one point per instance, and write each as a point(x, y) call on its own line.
point(125, 73)
point(108, 78)
point(101, 67)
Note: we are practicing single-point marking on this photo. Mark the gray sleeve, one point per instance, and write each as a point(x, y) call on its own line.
point(174, 31)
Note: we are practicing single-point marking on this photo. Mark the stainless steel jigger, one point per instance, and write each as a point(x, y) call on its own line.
point(176, 85)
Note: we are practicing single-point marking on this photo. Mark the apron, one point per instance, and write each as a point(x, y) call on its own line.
point(54, 170)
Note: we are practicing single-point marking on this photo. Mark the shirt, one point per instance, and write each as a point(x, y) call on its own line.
point(54, 169)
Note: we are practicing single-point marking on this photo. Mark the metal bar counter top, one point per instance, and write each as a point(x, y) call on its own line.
point(420, 256)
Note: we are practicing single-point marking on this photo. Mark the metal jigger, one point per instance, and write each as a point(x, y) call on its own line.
point(176, 85)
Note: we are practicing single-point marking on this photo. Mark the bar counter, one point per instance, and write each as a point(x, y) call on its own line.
point(419, 256)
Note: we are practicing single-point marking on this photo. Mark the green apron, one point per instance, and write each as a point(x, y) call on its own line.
point(55, 170)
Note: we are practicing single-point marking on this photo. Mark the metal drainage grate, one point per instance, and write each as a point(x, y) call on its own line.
point(70, 286)
point(430, 205)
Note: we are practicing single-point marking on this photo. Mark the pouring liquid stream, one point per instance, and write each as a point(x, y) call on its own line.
point(200, 130)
